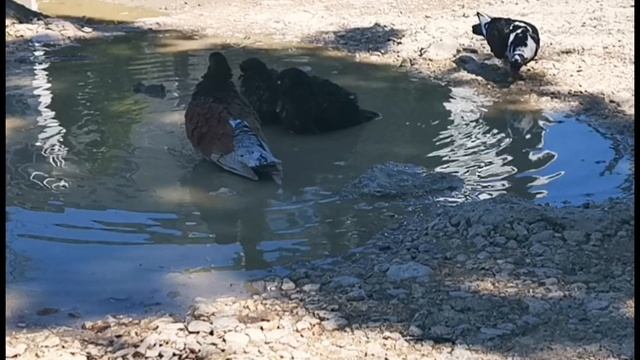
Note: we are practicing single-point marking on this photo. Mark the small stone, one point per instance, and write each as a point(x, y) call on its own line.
point(287, 285)
point(440, 330)
point(50, 341)
point(272, 336)
point(415, 331)
point(538, 249)
point(47, 311)
point(325, 315)
point(311, 287)
point(273, 284)
point(574, 236)
point(500, 240)
point(152, 353)
point(356, 295)
point(302, 325)
point(543, 236)
point(480, 242)
point(345, 281)
point(15, 350)
point(124, 352)
point(461, 258)
point(203, 310)
point(235, 341)
point(197, 326)
point(512, 244)
point(407, 271)
point(530, 320)
point(257, 287)
point(224, 323)
point(483, 255)
point(171, 327)
point(165, 352)
point(209, 352)
point(374, 350)
point(381, 267)
point(335, 323)
point(492, 332)
point(597, 305)
point(537, 305)
point(255, 335)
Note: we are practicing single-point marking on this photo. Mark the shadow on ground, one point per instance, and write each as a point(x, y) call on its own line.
point(374, 38)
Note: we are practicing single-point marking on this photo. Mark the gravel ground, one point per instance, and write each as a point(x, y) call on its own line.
point(493, 279)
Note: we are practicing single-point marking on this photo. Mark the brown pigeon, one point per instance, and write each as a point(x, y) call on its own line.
point(223, 126)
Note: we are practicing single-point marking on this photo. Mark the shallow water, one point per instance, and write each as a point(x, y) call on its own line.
point(109, 209)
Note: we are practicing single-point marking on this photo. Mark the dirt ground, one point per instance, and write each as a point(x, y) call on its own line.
point(562, 279)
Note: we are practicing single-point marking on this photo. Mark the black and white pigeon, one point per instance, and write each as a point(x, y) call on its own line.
point(514, 41)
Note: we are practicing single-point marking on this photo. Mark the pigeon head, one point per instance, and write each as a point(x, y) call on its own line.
point(292, 80)
point(253, 66)
point(516, 62)
point(219, 68)
point(481, 27)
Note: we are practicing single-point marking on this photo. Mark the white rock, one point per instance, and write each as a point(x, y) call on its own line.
point(255, 335)
point(407, 271)
point(311, 287)
point(15, 350)
point(152, 353)
point(597, 305)
point(199, 326)
point(415, 331)
point(302, 325)
point(345, 281)
point(203, 310)
point(374, 350)
point(574, 236)
point(274, 335)
point(287, 285)
point(442, 50)
point(224, 323)
point(537, 305)
point(50, 341)
point(236, 341)
point(335, 323)
point(356, 295)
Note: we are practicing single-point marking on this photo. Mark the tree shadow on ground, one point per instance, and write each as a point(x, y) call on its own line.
point(374, 38)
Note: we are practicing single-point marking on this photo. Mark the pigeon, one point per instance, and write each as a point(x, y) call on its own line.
point(310, 105)
point(223, 126)
point(258, 86)
point(514, 41)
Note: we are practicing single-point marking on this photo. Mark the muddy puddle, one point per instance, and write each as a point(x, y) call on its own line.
point(110, 210)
